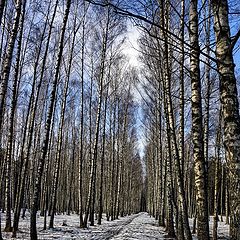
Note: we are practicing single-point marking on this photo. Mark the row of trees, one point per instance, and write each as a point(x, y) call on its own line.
point(191, 115)
point(67, 114)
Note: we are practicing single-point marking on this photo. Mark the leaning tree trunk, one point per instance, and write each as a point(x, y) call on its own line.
point(30, 120)
point(25, 149)
point(197, 128)
point(8, 227)
point(37, 187)
point(6, 71)
point(8, 60)
point(2, 6)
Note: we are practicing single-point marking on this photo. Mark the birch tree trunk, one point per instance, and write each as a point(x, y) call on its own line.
point(170, 121)
point(181, 126)
point(80, 177)
point(37, 187)
point(60, 134)
point(2, 6)
point(30, 120)
point(100, 200)
point(4, 78)
point(122, 155)
point(8, 227)
point(8, 60)
point(216, 182)
point(197, 128)
point(230, 106)
point(208, 84)
point(91, 187)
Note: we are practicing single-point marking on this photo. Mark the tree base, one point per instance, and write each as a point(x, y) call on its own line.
point(8, 229)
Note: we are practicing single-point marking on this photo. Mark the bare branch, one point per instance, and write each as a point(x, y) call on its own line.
point(144, 19)
point(234, 40)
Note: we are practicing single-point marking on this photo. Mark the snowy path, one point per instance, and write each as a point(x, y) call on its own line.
point(138, 226)
point(141, 227)
point(135, 227)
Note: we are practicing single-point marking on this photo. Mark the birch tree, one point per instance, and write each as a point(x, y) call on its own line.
point(230, 106)
point(197, 128)
point(41, 162)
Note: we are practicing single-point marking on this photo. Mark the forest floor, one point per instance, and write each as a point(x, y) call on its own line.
point(137, 226)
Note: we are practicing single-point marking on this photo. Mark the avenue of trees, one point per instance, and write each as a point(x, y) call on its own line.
point(69, 119)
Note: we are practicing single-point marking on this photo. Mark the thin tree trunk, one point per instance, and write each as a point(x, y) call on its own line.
point(103, 157)
point(82, 122)
point(227, 200)
point(181, 126)
point(91, 187)
point(46, 188)
point(37, 188)
point(113, 152)
point(8, 227)
point(4, 85)
point(60, 134)
point(122, 157)
point(216, 183)
point(222, 191)
point(170, 222)
point(207, 68)
point(2, 6)
point(8, 60)
point(70, 205)
point(170, 120)
point(100, 201)
point(29, 125)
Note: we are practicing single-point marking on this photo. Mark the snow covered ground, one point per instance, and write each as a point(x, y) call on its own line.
point(139, 226)
point(142, 227)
